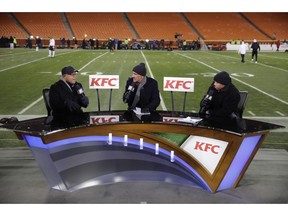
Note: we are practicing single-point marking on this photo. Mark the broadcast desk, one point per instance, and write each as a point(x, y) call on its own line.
point(106, 147)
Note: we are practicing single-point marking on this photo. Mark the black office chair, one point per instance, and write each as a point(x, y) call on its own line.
point(240, 122)
point(45, 93)
point(242, 103)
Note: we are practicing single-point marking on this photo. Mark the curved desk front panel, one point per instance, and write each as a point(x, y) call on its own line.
point(105, 152)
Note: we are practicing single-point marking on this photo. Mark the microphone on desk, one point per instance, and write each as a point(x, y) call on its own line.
point(206, 102)
point(129, 91)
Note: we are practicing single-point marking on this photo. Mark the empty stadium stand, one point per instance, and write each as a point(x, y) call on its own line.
point(161, 26)
point(224, 26)
point(9, 27)
point(99, 25)
point(212, 27)
point(43, 24)
point(273, 24)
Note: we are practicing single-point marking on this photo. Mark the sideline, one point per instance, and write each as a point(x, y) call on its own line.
point(41, 98)
point(151, 74)
point(244, 83)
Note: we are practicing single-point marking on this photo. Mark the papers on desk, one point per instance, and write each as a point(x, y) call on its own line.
point(139, 112)
point(191, 120)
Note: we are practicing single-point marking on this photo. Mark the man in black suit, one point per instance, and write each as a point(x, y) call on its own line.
point(141, 91)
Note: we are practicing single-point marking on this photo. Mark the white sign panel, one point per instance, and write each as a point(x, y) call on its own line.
point(206, 150)
point(104, 81)
point(180, 84)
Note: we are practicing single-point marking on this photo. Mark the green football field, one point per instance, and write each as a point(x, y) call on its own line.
point(25, 72)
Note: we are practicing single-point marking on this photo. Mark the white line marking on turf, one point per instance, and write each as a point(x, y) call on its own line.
point(30, 62)
point(269, 66)
point(151, 74)
point(92, 61)
point(39, 99)
point(31, 105)
point(251, 113)
point(244, 83)
point(278, 112)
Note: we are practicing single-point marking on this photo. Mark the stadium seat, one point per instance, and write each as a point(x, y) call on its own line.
point(46, 100)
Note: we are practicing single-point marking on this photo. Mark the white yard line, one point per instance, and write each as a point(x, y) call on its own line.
point(19, 65)
point(244, 83)
point(249, 62)
point(39, 99)
point(152, 76)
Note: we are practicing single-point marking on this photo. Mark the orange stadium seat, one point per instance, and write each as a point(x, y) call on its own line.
point(43, 24)
point(160, 26)
point(224, 26)
point(9, 27)
point(273, 24)
point(99, 25)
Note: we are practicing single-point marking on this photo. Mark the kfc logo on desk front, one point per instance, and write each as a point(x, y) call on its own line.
point(104, 81)
point(180, 84)
point(171, 119)
point(206, 150)
point(104, 119)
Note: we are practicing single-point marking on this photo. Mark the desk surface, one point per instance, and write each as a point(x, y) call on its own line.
point(47, 125)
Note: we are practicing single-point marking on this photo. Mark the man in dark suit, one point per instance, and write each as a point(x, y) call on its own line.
point(221, 100)
point(141, 91)
point(67, 96)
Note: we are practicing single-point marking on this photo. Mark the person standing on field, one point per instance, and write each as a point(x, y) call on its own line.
point(255, 47)
point(242, 51)
point(51, 47)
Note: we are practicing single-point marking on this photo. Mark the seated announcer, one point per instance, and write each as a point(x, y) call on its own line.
point(141, 91)
point(221, 100)
point(67, 95)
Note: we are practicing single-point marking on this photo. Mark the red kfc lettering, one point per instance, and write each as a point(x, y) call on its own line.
point(169, 84)
point(173, 84)
point(95, 82)
point(198, 146)
point(110, 83)
point(201, 146)
point(170, 120)
point(186, 84)
point(103, 82)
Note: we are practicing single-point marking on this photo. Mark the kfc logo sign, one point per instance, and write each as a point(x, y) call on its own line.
point(178, 84)
point(214, 149)
point(171, 119)
point(206, 151)
point(104, 82)
point(104, 119)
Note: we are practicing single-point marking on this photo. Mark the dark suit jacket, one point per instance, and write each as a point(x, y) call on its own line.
point(59, 93)
point(149, 94)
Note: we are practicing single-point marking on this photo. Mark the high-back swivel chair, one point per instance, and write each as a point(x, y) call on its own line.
point(45, 93)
